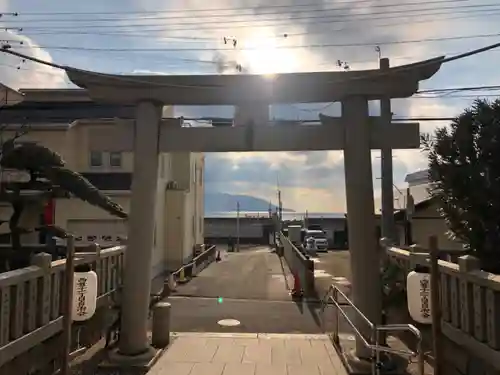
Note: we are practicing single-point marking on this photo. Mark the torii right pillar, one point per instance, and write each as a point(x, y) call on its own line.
point(365, 274)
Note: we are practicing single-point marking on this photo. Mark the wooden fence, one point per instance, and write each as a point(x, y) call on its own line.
point(31, 300)
point(470, 302)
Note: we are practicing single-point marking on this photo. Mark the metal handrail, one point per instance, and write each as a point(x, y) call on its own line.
point(332, 296)
point(212, 248)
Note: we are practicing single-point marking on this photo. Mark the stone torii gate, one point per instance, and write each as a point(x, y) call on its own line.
point(355, 132)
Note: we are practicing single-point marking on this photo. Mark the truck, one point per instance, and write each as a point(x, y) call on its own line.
point(295, 234)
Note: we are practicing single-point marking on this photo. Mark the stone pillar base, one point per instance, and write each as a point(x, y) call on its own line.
point(356, 364)
point(363, 366)
point(142, 362)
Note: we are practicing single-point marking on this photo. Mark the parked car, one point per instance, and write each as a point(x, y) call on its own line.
point(310, 246)
point(319, 237)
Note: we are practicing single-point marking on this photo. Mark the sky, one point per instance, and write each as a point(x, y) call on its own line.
point(144, 37)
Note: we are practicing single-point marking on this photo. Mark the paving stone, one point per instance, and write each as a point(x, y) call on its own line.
point(249, 355)
point(239, 369)
point(285, 355)
point(205, 368)
point(257, 354)
point(229, 353)
point(270, 369)
point(303, 370)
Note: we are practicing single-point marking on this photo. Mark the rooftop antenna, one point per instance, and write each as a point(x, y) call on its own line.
point(379, 51)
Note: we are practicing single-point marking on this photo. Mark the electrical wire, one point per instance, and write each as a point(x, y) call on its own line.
point(191, 11)
point(276, 22)
point(257, 48)
point(252, 14)
point(150, 33)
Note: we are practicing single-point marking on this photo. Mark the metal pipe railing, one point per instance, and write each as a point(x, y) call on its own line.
point(373, 344)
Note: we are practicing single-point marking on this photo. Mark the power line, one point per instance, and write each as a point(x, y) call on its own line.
point(150, 33)
point(191, 11)
point(263, 48)
point(288, 21)
point(458, 89)
point(458, 96)
point(252, 13)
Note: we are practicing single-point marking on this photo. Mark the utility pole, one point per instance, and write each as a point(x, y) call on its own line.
point(409, 211)
point(237, 226)
point(280, 204)
point(388, 224)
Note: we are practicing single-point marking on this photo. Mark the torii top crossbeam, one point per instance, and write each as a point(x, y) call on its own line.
point(315, 87)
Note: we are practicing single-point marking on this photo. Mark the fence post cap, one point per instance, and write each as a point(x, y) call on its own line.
point(42, 260)
point(96, 248)
point(468, 263)
point(416, 248)
point(386, 242)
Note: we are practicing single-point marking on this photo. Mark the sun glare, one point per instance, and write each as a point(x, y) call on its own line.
point(264, 58)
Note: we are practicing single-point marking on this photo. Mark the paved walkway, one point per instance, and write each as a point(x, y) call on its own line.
point(249, 354)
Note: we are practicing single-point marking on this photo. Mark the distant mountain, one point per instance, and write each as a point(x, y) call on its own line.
point(221, 202)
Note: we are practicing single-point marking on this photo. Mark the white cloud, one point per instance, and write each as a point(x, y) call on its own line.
point(327, 192)
point(16, 73)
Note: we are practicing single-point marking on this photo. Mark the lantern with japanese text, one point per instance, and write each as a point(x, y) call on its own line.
point(84, 293)
point(418, 288)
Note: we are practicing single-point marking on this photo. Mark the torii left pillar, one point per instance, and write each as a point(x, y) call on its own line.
point(133, 345)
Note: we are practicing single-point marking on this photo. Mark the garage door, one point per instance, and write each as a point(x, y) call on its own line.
point(104, 232)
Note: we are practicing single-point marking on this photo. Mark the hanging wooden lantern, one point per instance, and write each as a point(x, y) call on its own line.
point(84, 293)
point(418, 288)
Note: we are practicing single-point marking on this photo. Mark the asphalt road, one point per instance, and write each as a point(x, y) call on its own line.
point(251, 287)
point(255, 273)
point(334, 263)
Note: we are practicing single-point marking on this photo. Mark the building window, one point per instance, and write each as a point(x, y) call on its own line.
point(115, 159)
point(95, 158)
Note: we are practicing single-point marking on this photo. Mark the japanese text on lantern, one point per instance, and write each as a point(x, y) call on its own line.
point(81, 291)
point(424, 298)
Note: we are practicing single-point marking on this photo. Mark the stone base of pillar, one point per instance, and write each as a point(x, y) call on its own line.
point(388, 364)
point(358, 365)
point(141, 362)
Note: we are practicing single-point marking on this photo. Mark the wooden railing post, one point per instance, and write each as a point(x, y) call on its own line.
point(44, 288)
point(436, 305)
point(467, 264)
point(68, 304)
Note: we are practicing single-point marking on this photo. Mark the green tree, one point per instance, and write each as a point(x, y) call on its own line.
point(464, 171)
point(47, 173)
